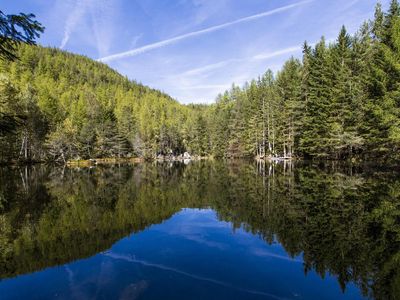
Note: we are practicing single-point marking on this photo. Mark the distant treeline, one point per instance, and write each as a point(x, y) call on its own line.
point(341, 101)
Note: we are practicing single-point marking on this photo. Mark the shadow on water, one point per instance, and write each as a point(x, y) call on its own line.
point(344, 220)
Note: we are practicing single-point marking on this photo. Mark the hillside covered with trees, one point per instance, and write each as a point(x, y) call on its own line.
point(73, 107)
point(340, 101)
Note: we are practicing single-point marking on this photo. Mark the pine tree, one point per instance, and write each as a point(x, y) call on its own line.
point(291, 107)
point(383, 123)
point(315, 140)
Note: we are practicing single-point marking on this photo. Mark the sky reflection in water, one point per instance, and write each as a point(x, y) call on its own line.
point(192, 255)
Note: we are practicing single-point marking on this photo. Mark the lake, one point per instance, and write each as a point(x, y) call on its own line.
point(203, 230)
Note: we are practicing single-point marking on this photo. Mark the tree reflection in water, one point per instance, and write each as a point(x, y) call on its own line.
point(343, 219)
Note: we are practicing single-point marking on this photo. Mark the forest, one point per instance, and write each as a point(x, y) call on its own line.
point(340, 101)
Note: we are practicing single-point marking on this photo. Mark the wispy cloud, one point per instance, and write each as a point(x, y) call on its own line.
point(136, 39)
point(193, 85)
point(280, 52)
point(102, 14)
point(224, 63)
point(170, 41)
point(95, 19)
point(208, 68)
point(207, 8)
point(73, 20)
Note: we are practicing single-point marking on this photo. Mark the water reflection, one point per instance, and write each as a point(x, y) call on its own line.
point(340, 222)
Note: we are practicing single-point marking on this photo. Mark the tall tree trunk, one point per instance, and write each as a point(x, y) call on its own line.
point(263, 140)
point(268, 130)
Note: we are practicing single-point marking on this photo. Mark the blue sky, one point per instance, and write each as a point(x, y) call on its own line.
point(191, 49)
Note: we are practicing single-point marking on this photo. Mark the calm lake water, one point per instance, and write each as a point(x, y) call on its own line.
point(206, 230)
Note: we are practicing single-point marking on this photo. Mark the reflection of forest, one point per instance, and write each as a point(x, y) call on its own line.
point(344, 220)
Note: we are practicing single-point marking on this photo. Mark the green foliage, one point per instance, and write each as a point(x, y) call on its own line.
point(72, 107)
point(16, 29)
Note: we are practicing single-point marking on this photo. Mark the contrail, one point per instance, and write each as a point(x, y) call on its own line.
point(164, 43)
point(73, 20)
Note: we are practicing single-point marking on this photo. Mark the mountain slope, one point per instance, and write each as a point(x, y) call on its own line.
point(76, 107)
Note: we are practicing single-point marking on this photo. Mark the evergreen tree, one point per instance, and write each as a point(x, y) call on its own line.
point(291, 106)
point(316, 140)
point(16, 29)
point(383, 118)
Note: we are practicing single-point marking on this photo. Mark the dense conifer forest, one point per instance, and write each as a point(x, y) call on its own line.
point(340, 101)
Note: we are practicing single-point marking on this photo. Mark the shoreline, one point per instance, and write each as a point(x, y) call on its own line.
point(114, 160)
point(110, 161)
point(102, 161)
